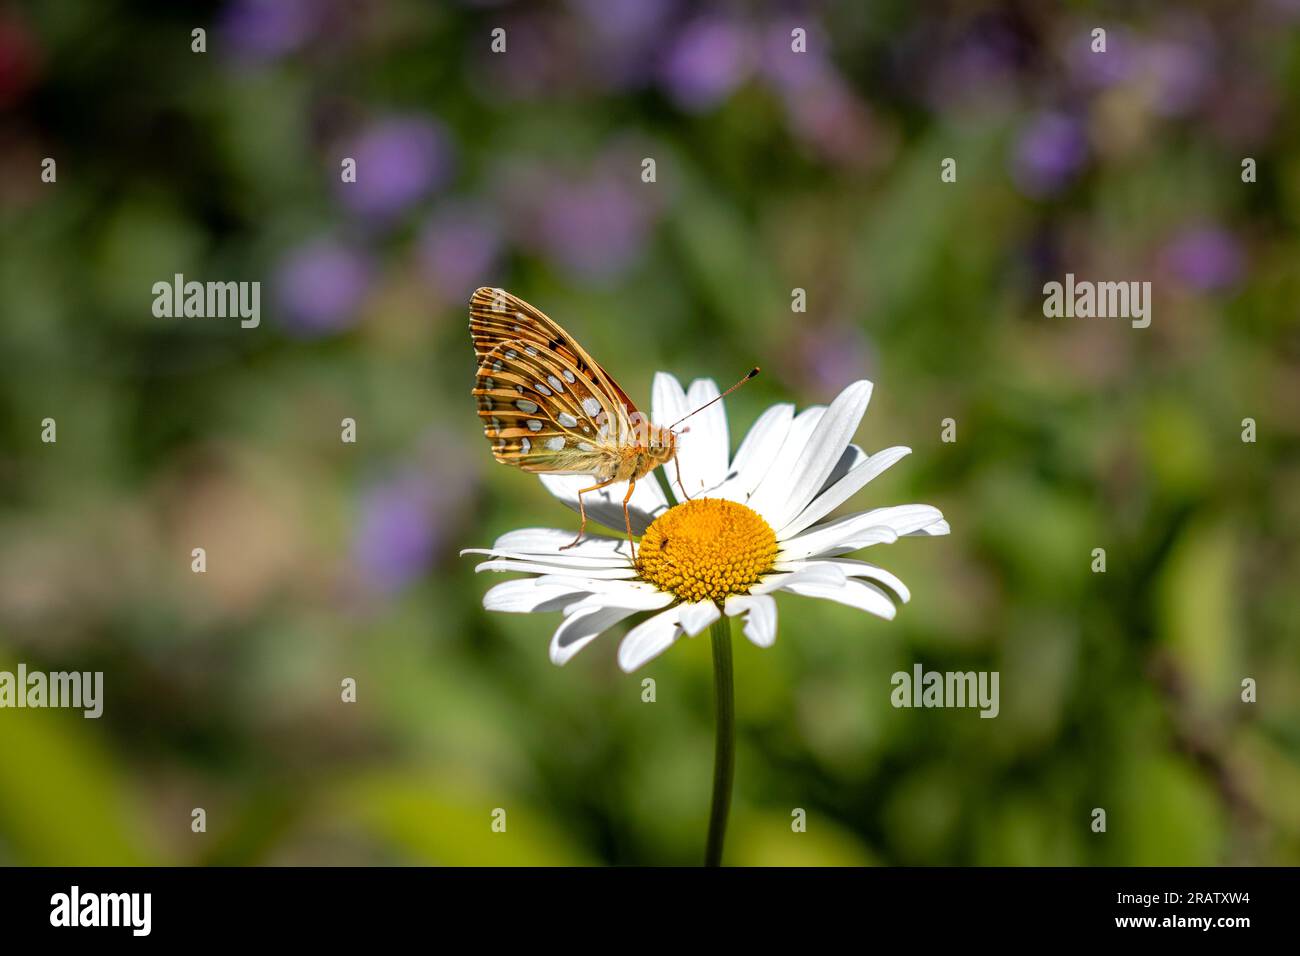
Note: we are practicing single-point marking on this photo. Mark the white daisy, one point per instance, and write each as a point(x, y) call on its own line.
point(755, 524)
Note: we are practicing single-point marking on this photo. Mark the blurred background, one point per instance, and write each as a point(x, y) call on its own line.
point(774, 171)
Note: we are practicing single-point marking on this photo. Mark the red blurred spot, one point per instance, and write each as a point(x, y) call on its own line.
point(19, 60)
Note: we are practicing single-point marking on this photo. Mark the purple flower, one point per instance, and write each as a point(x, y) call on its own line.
point(833, 355)
point(593, 229)
point(400, 160)
point(543, 58)
point(978, 67)
point(320, 287)
point(407, 515)
point(627, 35)
point(1094, 70)
point(1180, 74)
point(789, 72)
point(397, 531)
point(591, 225)
point(820, 107)
point(1050, 152)
point(459, 249)
point(1208, 258)
point(835, 123)
point(710, 58)
point(263, 30)
point(623, 19)
point(1178, 64)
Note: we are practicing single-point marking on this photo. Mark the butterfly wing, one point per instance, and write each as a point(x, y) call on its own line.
point(542, 415)
point(497, 317)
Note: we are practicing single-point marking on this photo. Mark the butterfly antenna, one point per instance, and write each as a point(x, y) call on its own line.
point(752, 372)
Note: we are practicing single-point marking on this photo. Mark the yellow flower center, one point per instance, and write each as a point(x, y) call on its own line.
point(705, 549)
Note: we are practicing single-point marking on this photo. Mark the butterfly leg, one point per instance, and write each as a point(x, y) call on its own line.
point(678, 463)
point(582, 510)
point(627, 518)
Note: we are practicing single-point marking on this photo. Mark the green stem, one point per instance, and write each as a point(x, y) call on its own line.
point(724, 752)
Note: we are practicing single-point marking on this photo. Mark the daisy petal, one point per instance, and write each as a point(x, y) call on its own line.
point(858, 569)
point(879, 526)
point(573, 579)
point(648, 640)
point(814, 572)
point(667, 399)
point(631, 598)
point(668, 405)
point(526, 594)
point(556, 541)
point(580, 629)
point(537, 567)
point(710, 445)
point(605, 505)
point(845, 488)
point(938, 528)
point(561, 559)
point(818, 459)
point(757, 452)
point(859, 594)
point(852, 457)
point(694, 618)
point(775, 484)
point(760, 616)
point(702, 446)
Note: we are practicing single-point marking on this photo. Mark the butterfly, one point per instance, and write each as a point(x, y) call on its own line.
point(549, 408)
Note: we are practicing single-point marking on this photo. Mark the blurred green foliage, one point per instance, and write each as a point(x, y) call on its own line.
point(329, 560)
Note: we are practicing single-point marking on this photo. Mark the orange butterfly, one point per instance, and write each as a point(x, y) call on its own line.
point(548, 407)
